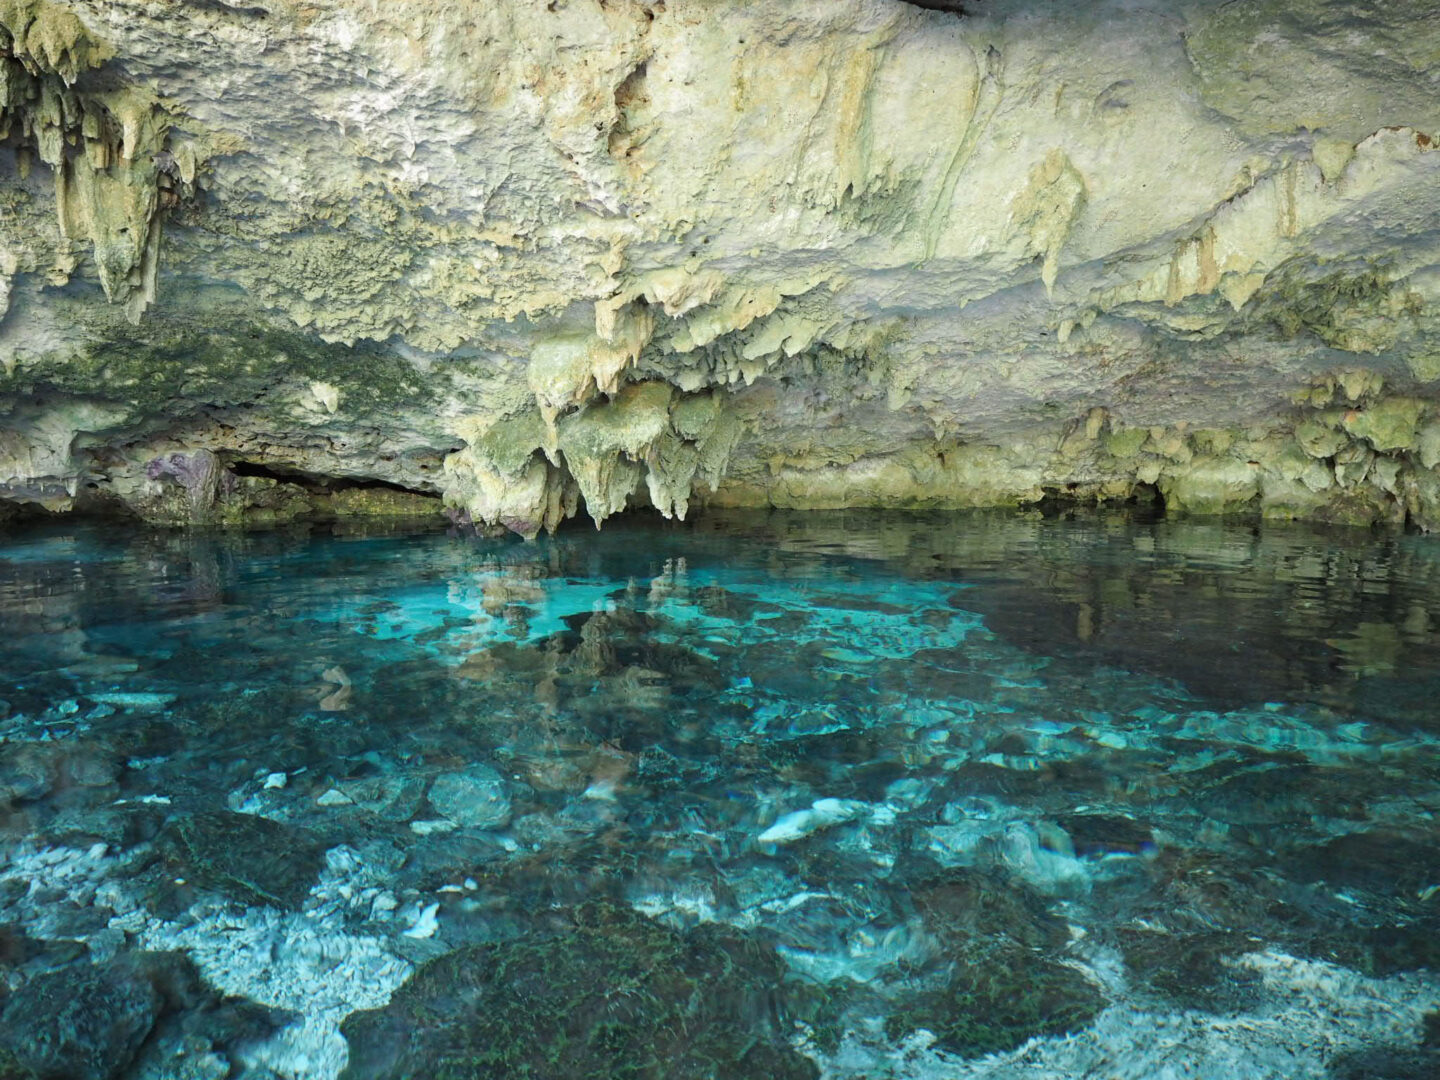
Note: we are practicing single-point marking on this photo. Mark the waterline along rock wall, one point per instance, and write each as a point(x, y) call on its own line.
point(270, 260)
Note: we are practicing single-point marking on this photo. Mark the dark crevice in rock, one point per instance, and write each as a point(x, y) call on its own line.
point(1147, 496)
point(14, 513)
point(631, 98)
point(253, 11)
point(317, 482)
point(958, 7)
point(1144, 501)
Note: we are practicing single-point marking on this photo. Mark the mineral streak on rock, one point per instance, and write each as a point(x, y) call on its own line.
point(198, 473)
point(533, 258)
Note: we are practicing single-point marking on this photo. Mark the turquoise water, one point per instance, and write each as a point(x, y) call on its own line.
point(761, 796)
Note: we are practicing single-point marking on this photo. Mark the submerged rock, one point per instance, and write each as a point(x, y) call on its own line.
point(1191, 969)
point(1386, 1063)
point(996, 999)
point(251, 859)
point(607, 993)
point(98, 1022)
point(475, 797)
point(822, 814)
point(1001, 981)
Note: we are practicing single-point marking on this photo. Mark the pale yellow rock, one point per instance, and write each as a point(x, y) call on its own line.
point(1332, 155)
point(327, 395)
point(1211, 486)
point(1046, 210)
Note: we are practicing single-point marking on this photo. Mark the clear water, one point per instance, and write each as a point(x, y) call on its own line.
point(845, 795)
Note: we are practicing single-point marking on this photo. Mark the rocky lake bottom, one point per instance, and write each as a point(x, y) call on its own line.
point(761, 796)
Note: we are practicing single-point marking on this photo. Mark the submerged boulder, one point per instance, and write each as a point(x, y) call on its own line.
point(475, 797)
point(1000, 978)
point(609, 994)
point(100, 1021)
point(246, 857)
point(998, 998)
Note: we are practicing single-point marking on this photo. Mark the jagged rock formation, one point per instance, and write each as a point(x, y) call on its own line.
point(532, 258)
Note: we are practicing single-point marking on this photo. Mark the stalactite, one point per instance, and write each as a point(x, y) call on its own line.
point(647, 434)
point(106, 148)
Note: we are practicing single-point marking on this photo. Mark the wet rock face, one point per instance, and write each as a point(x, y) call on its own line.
point(546, 260)
point(198, 473)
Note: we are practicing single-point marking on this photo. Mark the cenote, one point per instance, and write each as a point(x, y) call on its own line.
point(763, 795)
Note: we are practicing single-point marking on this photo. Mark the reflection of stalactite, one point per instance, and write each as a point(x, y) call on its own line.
point(338, 699)
point(113, 176)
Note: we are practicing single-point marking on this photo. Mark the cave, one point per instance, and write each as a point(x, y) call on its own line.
point(670, 539)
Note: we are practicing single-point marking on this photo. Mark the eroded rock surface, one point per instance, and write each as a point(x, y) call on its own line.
point(539, 258)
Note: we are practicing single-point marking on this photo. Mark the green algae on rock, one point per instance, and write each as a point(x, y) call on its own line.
point(95, 1021)
point(1192, 969)
point(996, 999)
point(1000, 982)
point(606, 993)
point(250, 858)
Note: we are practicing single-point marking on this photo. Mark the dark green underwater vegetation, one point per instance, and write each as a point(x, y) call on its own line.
point(605, 993)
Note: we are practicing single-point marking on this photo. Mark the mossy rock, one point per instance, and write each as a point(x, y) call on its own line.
point(998, 985)
point(12, 1069)
point(962, 906)
point(998, 998)
point(825, 1008)
point(1377, 951)
point(1385, 862)
point(1189, 969)
point(177, 356)
point(610, 995)
point(1388, 424)
point(1386, 1063)
point(250, 859)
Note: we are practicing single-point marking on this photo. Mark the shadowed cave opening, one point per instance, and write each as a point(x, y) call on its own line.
point(322, 483)
point(1145, 504)
point(958, 7)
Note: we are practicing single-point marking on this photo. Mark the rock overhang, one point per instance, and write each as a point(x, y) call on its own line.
point(585, 255)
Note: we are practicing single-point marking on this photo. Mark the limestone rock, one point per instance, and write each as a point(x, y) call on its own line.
point(532, 258)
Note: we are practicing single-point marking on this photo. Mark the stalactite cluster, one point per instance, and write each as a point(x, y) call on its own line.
point(106, 147)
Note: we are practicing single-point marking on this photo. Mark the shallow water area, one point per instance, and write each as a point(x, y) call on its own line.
point(852, 795)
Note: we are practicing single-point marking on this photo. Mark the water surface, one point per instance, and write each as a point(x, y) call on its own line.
point(760, 796)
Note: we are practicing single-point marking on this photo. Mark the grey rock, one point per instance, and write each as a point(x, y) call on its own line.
point(476, 797)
